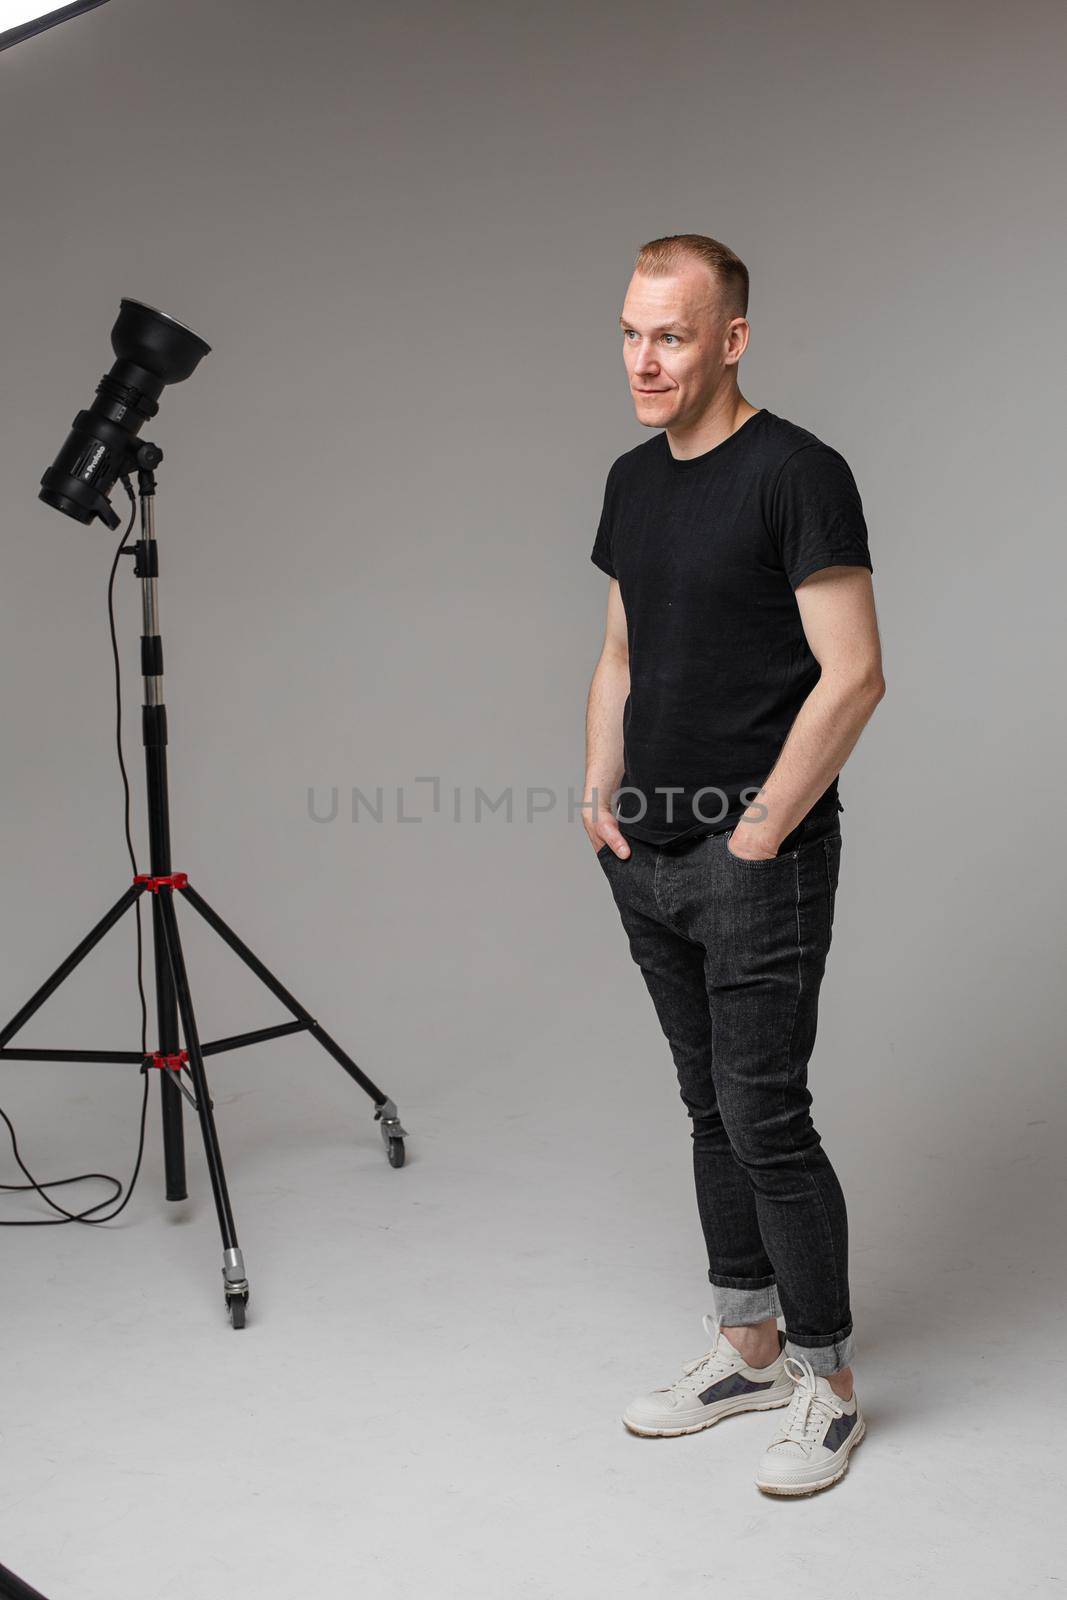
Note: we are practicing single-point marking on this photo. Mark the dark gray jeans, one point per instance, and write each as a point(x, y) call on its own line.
point(733, 954)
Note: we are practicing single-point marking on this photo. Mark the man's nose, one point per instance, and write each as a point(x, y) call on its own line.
point(644, 361)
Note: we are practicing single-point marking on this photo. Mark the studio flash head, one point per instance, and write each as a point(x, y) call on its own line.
point(151, 351)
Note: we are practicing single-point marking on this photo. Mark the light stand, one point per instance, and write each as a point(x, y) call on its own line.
point(174, 1002)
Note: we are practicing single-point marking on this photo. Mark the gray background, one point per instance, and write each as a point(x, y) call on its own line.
point(407, 232)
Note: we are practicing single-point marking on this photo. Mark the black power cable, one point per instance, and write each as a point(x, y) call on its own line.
point(86, 1216)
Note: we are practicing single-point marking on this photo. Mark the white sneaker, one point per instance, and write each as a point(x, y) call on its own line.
point(819, 1433)
point(717, 1384)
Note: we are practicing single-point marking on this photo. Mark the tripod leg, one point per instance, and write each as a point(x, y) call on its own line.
point(385, 1113)
point(170, 1095)
point(233, 1270)
point(64, 970)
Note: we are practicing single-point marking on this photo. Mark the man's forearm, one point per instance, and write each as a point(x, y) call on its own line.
point(819, 743)
point(603, 731)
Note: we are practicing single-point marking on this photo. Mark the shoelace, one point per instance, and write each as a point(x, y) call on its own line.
point(694, 1374)
point(809, 1409)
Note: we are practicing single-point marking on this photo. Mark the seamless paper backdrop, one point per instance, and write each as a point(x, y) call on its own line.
point(406, 231)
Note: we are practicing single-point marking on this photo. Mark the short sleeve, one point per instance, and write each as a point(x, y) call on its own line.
point(817, 515)
point(601, 553)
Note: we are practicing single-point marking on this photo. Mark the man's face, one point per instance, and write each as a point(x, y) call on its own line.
point(677, 345)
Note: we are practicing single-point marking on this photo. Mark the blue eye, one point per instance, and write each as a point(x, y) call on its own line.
point(626, 332)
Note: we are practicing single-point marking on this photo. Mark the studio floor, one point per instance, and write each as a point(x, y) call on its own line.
point(425, 1401)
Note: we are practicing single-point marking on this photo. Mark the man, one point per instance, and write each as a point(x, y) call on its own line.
point(741, 661)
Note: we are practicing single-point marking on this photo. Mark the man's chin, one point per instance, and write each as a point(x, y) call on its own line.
point(651, 413)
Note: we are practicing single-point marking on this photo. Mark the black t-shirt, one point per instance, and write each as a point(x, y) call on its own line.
point(708, 552)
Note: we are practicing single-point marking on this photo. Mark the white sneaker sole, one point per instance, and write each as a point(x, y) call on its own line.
point(721, 1408)
point(834, 1469)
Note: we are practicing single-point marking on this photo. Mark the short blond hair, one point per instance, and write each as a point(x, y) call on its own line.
point(660, 257)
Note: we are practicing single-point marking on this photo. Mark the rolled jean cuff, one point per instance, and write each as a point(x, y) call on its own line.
point(825, 1359)
point(738, 1307)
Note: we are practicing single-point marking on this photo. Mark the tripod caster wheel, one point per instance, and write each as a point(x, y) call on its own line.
point(395, 1151)
point(235, 1304)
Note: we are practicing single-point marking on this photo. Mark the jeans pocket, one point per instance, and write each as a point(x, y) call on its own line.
point(759, 862)
point(832, 849)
